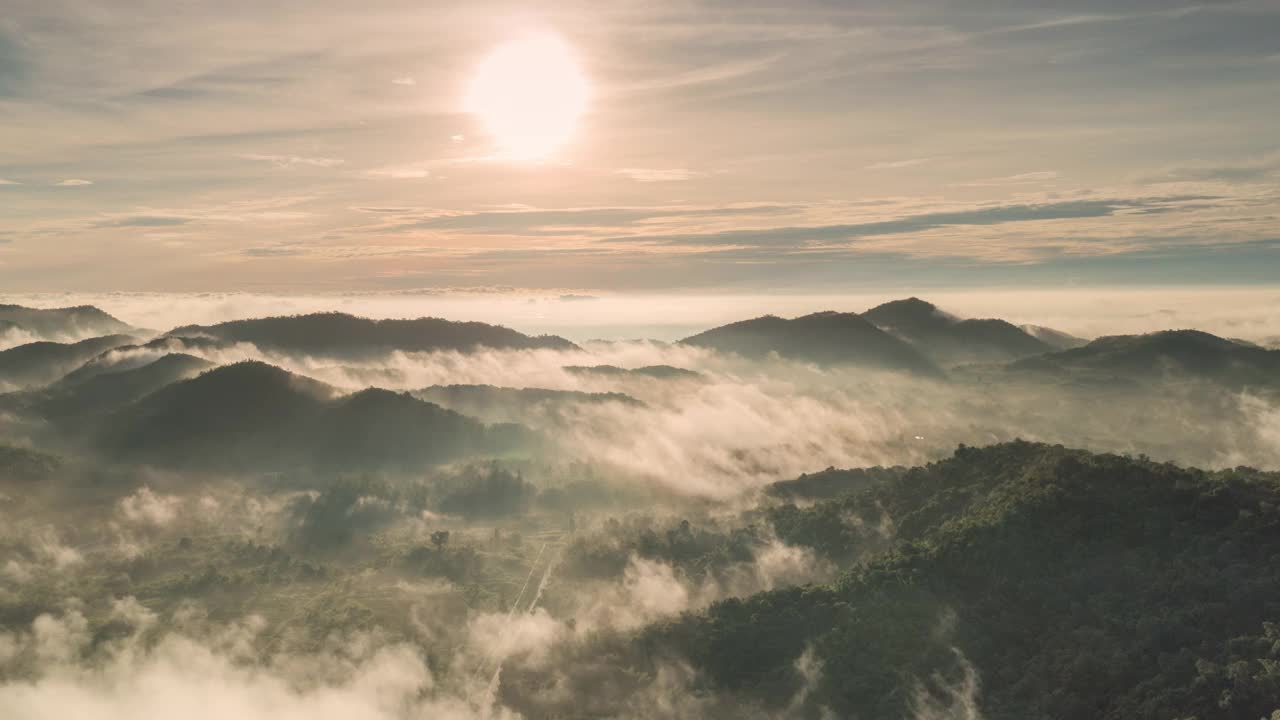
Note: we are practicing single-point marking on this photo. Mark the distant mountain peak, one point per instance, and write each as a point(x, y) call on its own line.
point(911, 312)
point(338, 334)
point(830, 338)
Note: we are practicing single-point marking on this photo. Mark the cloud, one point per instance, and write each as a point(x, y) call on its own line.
point(781, 237)
point(401, 172)
point(72, 182)
point(137, 679)
point(145, 507)
point(1026, 178)
point(531, 220)
point(9, 182)
point(291, 161)
point(144, 221)
point(274, 251)
point(649, 175)
point(1262, 170)
point(404, 81)
point(895, 164)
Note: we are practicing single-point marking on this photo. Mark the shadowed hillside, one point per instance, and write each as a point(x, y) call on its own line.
point(1179, 353)
point(254, 416)
point(951, 340)
point(827, 338)
point(1055, 339)
point(338, 335)
point(503, 404)
point(660, 372)
point(40, 363)
point(63, 323)
point(1027, 580)
point(76, 400)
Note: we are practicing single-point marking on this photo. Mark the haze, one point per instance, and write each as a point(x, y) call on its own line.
point(688, 359)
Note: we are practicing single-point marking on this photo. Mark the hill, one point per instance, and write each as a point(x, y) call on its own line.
point(1020, 580)
point(338, 335)
point(504, 404)
point(63, 323)
point(1170, 353)
point(951, 340)
point(77, 400)
point(826, 338)
point(40, 363)
point(22, 465)
point(254, 417)
point(661, 372)
point(1055, 339)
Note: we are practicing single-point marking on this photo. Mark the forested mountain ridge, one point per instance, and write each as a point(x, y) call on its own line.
point(63, 323)
point(951, 340)
point(340, 335)
point(1074, 584)
point(257, 417)
point(1175, 353)
point(827, 338)
point(40, 363)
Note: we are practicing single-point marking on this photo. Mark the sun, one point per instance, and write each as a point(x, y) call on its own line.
point(530, 94)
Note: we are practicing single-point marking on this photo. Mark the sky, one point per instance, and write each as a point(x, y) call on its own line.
point(724, 147)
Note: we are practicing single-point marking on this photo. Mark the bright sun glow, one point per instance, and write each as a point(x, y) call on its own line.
point(530, 94)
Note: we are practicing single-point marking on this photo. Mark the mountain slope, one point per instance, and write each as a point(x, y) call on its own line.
point(339, 335)
point(1178, 353)
point(1055, 339)
point(504, 404)
point(251, 416)
point(78, 399)
point(1015, 581)
point(828, 338)
point(63, 323)
point(950, 340)
point(659, 372)
point(40, 363)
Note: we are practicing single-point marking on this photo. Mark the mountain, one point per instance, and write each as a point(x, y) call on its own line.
point(63, 323)
point(504, 404)
point(827, 338)
point(830, 483)
point(1016, 581)
point(661, 372)
point(77, 399)
point(1176, 353)
point(22, 465)
point(253, 416)
point(1055, 339)
point(134, 355)
point(338, 335)
point(951, 340)
point(40, 363)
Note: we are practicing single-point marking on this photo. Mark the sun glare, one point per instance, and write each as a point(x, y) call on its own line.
point(530, 94)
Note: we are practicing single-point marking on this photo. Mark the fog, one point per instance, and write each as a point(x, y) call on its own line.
point(558, 577)
point(1243, 312)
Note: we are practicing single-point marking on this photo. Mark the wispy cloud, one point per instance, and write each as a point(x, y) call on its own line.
point(657, 174)
point(144, 221)
point(72, 182)
point(895, 164)
point(520, 220)
point(9, 182)
point(291, 161)
point(1261, 170)
point(1027, 178)
point(778, 237)
point(401, 172)
point(404, 81)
